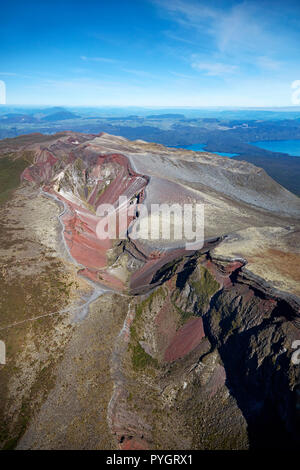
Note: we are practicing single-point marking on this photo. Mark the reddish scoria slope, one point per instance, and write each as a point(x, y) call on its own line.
point(98, 179)
point(110, 176)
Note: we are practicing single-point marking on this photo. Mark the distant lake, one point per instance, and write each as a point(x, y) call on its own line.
point(200, 148)
point(292, 147)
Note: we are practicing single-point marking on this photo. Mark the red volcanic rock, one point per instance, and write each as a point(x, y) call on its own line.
point(80, 223)
point(185, 340)
point(126, 183)
point(42, 168)
point(134, 444)
point(26, 175)
point(222, 273)
point(84, 246)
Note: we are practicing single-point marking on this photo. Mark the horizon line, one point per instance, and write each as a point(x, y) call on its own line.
point(292, 107)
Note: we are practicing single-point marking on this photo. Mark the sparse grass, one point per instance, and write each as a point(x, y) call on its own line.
point(140, 359)
point(185, 315)
point(10, 172)
point(15, 142)
point(103, 189)
point(205, 286)
point(31, 296)
point(23, 298)
point(79, 165)
point(148, 301)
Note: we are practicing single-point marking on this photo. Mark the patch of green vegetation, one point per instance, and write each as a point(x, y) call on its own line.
point(11, 444)
point(184, 314)
point(100, 191)
point(10, 172)
point(133, 333)
point(205, 287)
point(148, 301)
point(104, 188)
point(141, 359)
point(78, 164)
point(235, 324)
point(216, 316)
point(20, 428)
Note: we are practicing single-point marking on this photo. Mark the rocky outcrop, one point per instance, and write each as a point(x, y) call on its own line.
point(208, 334)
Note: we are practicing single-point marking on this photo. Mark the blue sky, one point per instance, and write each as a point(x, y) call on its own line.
point(150, 52)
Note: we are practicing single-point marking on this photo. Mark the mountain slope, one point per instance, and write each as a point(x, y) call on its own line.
point(203, 359)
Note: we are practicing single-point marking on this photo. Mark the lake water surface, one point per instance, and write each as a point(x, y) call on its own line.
point(200, 148)
point(292, 147)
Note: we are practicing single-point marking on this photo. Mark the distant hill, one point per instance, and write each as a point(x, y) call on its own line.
point(14, 118)
point(41, 112)
point(60, 116)
point(165, 116)
point(47, 115)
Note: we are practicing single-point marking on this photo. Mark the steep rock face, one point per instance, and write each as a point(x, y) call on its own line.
point(254, 330)
point(209, 335)
point(204, 356)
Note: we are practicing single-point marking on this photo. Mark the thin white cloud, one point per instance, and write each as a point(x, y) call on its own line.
point(100, 59)
point(83, 82)
point(175, 37)
point(192, 11)
point(13, 74)
point(268, 63)
point(215, 69)
point(183, 76)
point(140, 73)
point(241, 28)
